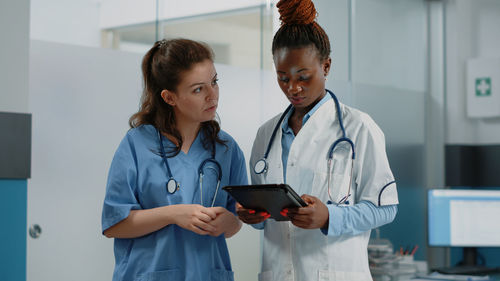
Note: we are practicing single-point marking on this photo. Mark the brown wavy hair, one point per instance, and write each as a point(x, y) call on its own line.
point(162, 69)
point(299, 28)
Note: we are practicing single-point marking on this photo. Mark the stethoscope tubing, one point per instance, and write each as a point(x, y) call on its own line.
point(171, 180)
point(263, 161)
point(261, 165)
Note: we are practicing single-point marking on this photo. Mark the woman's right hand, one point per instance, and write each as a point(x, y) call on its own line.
point(194, 217)
point(251, 216)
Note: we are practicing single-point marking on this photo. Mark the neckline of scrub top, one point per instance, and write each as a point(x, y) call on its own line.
point(196, 147)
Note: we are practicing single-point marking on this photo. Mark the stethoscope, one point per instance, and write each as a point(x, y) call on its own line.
point(173, 185)
point(262, 165)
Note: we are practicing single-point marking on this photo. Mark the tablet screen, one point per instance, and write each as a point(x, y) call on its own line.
point(271, 198)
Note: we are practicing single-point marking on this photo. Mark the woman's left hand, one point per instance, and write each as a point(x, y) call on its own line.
point(225, 222)
point(315, 215)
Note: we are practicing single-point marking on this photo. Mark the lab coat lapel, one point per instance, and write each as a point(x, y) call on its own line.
point(275, 162)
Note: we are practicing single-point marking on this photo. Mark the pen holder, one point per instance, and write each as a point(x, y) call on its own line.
point(404, 267)
point(406, 260)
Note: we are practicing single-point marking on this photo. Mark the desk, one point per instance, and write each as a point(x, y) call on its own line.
point(492, 277)
point(402, 273)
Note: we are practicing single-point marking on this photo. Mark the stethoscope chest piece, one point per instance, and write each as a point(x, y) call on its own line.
point(261, 166)
point(172, 186)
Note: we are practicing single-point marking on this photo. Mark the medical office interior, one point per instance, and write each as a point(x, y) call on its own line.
point(426, 71)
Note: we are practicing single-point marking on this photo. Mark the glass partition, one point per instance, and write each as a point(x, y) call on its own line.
point(240, 36)
point(389, 76)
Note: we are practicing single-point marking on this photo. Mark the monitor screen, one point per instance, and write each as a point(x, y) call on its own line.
point(472, 165)
point(464, 218)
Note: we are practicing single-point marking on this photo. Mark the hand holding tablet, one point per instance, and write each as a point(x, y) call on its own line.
point(271, 198)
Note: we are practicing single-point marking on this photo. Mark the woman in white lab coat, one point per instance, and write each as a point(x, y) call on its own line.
point(312, 150)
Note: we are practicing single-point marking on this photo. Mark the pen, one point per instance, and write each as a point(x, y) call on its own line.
point(407, 250)
point(414, 250)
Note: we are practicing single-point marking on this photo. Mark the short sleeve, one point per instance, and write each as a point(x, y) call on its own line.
point(238, 174)
point(121, 189)
point(374, 178)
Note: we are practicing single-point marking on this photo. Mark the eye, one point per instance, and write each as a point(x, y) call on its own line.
point(283, 79)
point(303, 78)
point(215, 82)
point(197, 90)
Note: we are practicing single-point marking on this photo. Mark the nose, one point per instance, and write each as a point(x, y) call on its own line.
point(294, 88)
point(213, 93)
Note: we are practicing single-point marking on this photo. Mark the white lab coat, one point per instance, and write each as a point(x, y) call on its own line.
point(295, 254)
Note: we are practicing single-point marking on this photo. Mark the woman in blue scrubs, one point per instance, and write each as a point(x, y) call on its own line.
point(164, 229)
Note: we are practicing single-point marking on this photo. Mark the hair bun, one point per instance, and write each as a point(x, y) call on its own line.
point(296, 11)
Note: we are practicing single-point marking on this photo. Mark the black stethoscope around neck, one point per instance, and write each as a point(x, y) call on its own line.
point(173, 185)
point(261, 166)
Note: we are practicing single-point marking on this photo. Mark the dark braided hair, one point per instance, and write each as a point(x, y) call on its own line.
point(162, 67)
point(299, 28)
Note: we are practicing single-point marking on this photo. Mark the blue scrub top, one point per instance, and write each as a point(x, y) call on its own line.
point(137, 180)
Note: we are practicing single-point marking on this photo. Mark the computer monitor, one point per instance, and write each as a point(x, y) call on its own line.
point(469, 165)
point(464, 218)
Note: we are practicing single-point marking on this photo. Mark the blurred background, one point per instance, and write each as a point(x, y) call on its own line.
point(70, 76)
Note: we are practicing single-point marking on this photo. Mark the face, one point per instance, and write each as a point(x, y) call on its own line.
point(197, 94)
point(301, 75)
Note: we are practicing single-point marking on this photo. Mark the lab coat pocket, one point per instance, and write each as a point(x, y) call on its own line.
point(319, 186)
point(165, 275)
point(335, 183)
point(266, 275)
point(221, 275)
point(325, 275)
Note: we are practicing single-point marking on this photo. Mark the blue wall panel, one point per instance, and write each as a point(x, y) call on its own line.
point(13, 230)
point(409, 227)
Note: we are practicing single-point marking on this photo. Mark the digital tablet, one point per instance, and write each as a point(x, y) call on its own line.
point(268, 197)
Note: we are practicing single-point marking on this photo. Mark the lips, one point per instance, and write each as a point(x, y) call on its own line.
point(212, 108)
point(296, 100)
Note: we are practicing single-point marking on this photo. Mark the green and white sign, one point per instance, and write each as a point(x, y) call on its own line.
point(483, 87)
point(483, 93)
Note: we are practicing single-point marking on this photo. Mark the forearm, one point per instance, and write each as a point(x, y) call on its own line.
point(234, 227)
point(359, 218)
point(141, 222)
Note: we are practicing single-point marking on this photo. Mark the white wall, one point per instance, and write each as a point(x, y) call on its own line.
point(71, 22)
point(333, 16)
point(389, 54)
point(472, 32)
point(14, 52)
point(80, 105)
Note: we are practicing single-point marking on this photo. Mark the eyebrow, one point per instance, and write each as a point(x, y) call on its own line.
point(300, 70)
point(202, 83)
